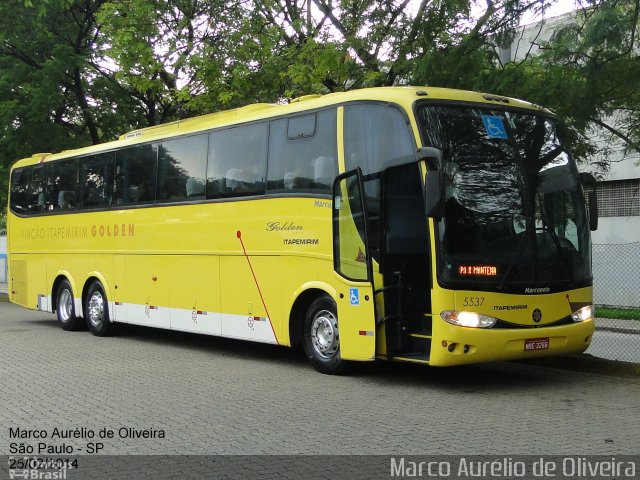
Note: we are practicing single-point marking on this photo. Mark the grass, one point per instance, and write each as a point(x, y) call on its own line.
point(616, 312)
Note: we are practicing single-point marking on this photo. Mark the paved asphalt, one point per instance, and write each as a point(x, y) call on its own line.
point(212, 396)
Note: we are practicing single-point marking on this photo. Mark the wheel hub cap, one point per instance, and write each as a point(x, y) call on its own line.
point(96, 309)
point(324, 334)
point(66, 305)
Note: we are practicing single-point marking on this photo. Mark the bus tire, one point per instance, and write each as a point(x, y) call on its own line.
point(321, 337)
point(65, 308)
point(97, 311)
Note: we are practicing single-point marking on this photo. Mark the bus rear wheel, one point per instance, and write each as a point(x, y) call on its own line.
point(97, 310)
point(322, 337)
point(65, 308)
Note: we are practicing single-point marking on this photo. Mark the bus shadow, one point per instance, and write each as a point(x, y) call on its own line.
point(229, 347)
point(486, 377)
point(468, 379)
point(162, 336)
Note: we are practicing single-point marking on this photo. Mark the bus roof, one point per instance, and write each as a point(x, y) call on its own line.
point(405, 96)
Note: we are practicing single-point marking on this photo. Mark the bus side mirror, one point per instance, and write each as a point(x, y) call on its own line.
point(434, 183)
point(589, 180)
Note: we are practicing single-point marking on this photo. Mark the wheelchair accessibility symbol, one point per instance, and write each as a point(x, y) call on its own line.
point(494, 126)
point(354, 296)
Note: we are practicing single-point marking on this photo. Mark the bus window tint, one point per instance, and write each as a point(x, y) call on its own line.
point(302, 153)
point(36, 190)
point(376, 137)
point(62, 178)
point(135, 180)
point(19, 188)
point(237, 161)
point(182, 167)
point(96, 180)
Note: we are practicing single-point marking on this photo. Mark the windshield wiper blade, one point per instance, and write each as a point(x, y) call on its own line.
point(516, 253)
point(556, 241)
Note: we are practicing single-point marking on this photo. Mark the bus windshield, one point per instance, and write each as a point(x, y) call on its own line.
point(515, 218)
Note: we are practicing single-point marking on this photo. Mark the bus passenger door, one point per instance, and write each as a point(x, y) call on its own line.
point(352, 262)
point(405, 265)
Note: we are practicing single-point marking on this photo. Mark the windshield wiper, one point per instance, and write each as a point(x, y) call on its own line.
point(556, 241)
point(516, 253)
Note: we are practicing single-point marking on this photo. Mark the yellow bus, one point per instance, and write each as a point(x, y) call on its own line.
point(422, 225)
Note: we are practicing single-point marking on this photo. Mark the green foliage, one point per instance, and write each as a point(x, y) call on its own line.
point(603, 311)
point(588, 74)
point(595, 62)
point(36, 100)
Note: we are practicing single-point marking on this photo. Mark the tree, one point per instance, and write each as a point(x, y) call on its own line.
point(347, 45)
point(161, 50)
point(50, 97)
point(591, 71)
point(588, 73)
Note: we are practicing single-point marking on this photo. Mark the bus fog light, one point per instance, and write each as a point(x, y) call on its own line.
point(468, 319)
point(585, 313)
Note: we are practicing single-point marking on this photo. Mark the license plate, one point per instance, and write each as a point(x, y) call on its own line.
point(532, 344)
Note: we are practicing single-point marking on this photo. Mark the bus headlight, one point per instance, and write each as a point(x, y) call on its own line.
point(468, 319)
point(585, 313)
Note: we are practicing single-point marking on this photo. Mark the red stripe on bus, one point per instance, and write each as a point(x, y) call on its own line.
point(255, 279)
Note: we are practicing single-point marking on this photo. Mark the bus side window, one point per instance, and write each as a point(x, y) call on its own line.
point(96, 180)
point(62, 179)
point(19, 187)
point(182, 165)
point(237, 161)
point(36, 194)
point(302, 153)
point(376, 136)
point(135, 180)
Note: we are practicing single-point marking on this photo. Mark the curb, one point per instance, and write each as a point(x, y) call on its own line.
point(617, 325)
point(629, 331)
point(588, 364)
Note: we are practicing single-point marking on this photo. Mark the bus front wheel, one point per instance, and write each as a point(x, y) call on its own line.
point(65, 308)
point(97, 310)
point(322, 336)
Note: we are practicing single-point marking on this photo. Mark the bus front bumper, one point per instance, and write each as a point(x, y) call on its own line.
point(455, 345)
